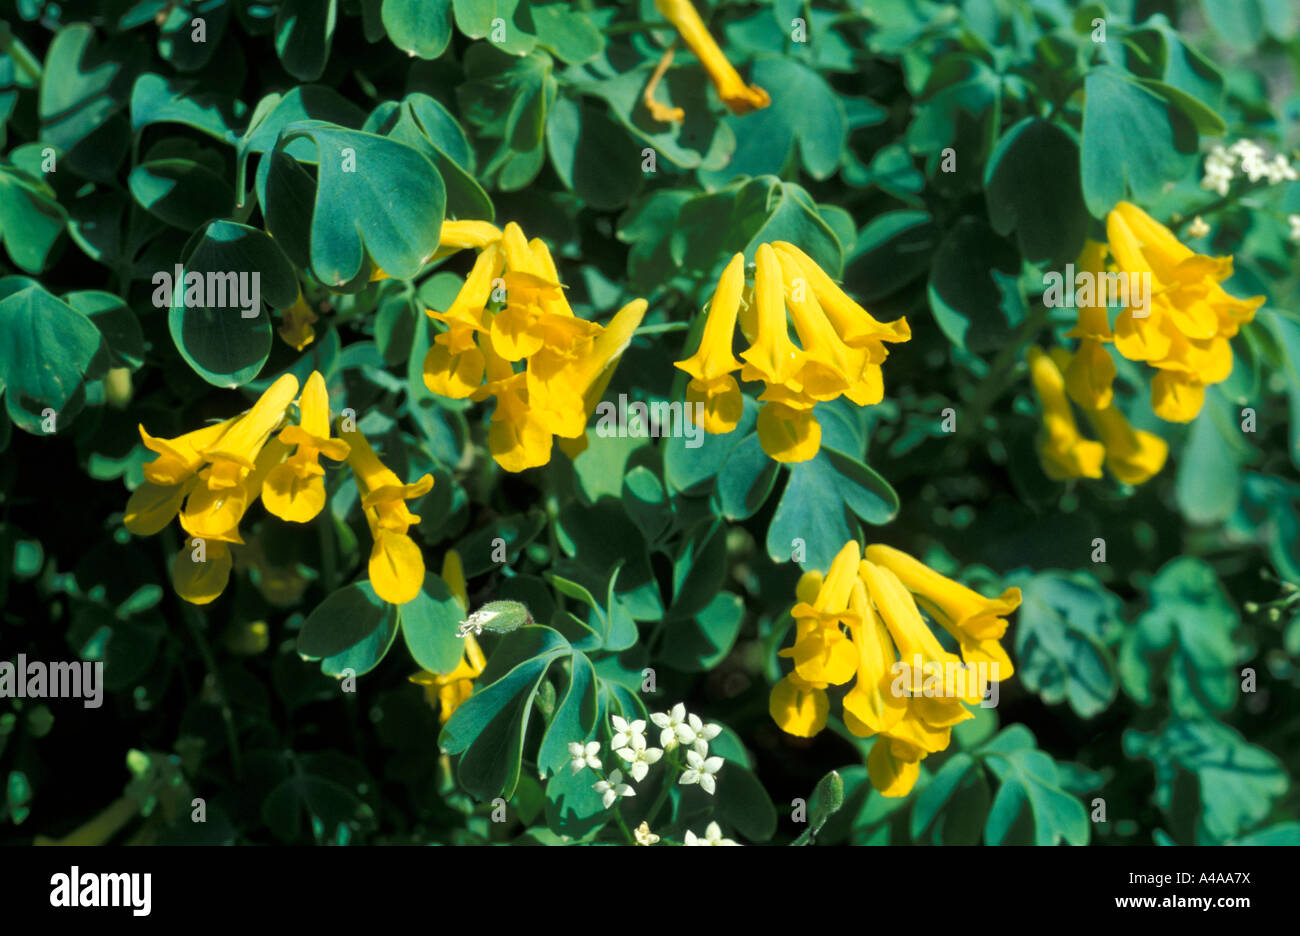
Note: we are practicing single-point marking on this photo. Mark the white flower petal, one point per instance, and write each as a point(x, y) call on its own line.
point(707, 784)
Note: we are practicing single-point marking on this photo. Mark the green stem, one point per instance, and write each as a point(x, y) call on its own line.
point(1002, 370)
point(328, 551)
point(669, 781)
point(1227, 201)
point(618, 29)
point(191, 617)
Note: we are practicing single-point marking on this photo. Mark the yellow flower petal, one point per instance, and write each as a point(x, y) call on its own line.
point(396, 567)
point(798, 708)
point(201, 582)
point(788, 435)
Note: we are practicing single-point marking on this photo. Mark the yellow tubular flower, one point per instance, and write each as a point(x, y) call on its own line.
point(461, 235)
point(201, 571)
point(1176, 397)
point(296, 324)
point(233, 455)
point(152, 506)
point(712, 364)
point(1063, 451)
point(446, 691)
point(740, 98)
point(396, 563)
point(856, 326)
point(799, 707)
point(1132, 455)
point(295, 490)
point(179, 459)
point(953, 606)
point(593, 373)
point(772, 357)
point(830, 366)
point(822, 653)
point(1093, 320)
point(911, 635)
point(870, 701)
point(1090, 376)
point(1185, 337)
point(788, 434)
point(912, 718)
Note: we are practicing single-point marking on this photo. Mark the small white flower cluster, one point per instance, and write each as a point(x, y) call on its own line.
point(712, 836)
point(1249, 159)
point(1294, 221)
point(679, 727)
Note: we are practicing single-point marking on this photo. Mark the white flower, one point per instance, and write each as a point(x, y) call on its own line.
point(712, 836)
point(584, 756)
point(1219, 172)
point(703, 733)
point(613, 788)
point(643, 834)
point(675, 729)
point(1294, 221)
point(701, 770)
point(639, 758)
point(628, 733)
point(1198, 228)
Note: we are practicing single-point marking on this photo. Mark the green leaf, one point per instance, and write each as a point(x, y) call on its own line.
point(225, 348)
point(488, 729)
point(1184, 642)
point(344, 619)
point(303, 32)
point(156, 99)
point(31, 220)
point(818, 503)
point(746, 479)
point(1208, 486)
point(584, 144)
point(742, 803)
point(953, 806)
point(418, 27)
point(574, 719)
point(429, 624)
point(1061, 633)
point(804, 114)
point(181, 192)
point(1032, 187)
point(1133, 141)
point(376, 199)
point(1030, 806)
point(968, 299)
point(1235, 782)
point(700, 644)
point(46, 352)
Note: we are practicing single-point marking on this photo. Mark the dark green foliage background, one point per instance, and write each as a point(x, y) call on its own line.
point(220, 155)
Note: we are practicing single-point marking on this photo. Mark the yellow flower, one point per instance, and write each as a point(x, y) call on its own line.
point(712, 364)
point(211, 517)
point(739, 97)
point(658, 111)
point(1191, 318)
point(567, 361)
point(295, 490)
point(232, 456)
point(822, 652)
point(1093, 319)
point(799, 707)
point(909, 690)
point(446, 691)
point(840, 352)
point(1064, 452)
point(396, 563)
point(976, 622)
point(296, 324)
point(1132, 455)
point(1090, 376)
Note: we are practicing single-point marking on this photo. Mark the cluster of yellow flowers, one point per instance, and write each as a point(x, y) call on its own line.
point(512, 311)
point(1132, 455)
point(842, 349)
point(739, 97)
point(1186, 330)
point(875, 594)
point(211, 477)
